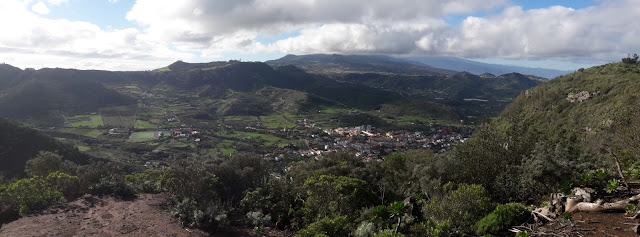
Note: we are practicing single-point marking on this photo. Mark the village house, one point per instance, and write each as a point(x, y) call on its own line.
point(184, 132)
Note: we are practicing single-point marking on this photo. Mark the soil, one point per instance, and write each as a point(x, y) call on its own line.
point(590, 224)
point(147, 215)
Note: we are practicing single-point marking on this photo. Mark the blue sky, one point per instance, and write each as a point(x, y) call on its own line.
point(146, 34)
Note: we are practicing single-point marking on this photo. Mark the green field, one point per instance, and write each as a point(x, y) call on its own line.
point(90, 121)
point(226, 151)
point(143, 136)
point(118, 121)
point(279, 121)
point(82, 132)
point(268, 140)
point(83, 148)
point(141, 124)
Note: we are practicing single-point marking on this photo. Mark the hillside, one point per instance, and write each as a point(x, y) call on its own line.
point(337, 64)
point(471, 95)
point(560, 131)
point(49, 92)
point(19, 144)
point(463, 65)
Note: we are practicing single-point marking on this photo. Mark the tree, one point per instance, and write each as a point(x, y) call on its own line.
point(329, 195)
point(43, 164)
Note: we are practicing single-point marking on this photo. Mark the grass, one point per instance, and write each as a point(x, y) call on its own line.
point(141, 124)
point(269, 140)
point(143, 136)
point(118, 121)
point(278, 121)
point(83, 148)
point(164, 69)
point(82, 132)
point(93, 122)
point(226, 151)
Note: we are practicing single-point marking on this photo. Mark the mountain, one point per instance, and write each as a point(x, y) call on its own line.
point(471, 95)
point(559, 132)
point(19, 144)
point(337, 64)
point(253, 88)
point(463, 65)
point(41, 93)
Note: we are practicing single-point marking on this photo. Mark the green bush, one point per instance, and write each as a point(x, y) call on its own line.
point(30, 195)
point(145, 182)
point(338, 226)
point(503, 217)
point(461, 208)
point(193, 215)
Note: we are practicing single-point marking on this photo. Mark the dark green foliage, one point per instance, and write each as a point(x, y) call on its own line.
point(193, 214)
point(337, 226)
point(461, 208)
point(187, 179)
point(42, 165)
point(148, 181)
point(503, 217)
point(328, 195)
point(30, 195)
point(630, 59)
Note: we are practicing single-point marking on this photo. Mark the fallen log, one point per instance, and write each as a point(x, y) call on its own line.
point(575, 204)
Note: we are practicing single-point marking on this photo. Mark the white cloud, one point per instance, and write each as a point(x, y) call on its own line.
point(56, 2)
point(40, 8)
point(113, 1)
point(38, 41)
point(404, 27)
point(208, 29)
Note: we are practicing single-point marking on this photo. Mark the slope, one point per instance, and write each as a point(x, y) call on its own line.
point(19, 144)
point(558, 132)
point(49, 91)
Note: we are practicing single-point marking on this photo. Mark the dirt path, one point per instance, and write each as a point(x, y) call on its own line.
point(90, 216)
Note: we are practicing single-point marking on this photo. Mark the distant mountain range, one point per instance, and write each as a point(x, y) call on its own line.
point(463, 65)
point(293, 84)
point(331, 64)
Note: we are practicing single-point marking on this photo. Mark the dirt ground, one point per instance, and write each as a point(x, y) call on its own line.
point(590, 224)
point(147, 215)
point(89, 216)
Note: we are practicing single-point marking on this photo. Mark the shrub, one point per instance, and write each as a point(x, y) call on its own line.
point(43, 164)
point(462, 208)
point(365, 229)
point(338, 226)
point(146, 182)
point(258, 219)
point(192, 215)
point(68, 185)
point(30, 195)
point(504, 216)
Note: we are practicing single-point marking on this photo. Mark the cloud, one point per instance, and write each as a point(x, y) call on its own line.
point(38, 41)
point(403, 27)
point(40, 8)
point(113, 1)
point(169, 30)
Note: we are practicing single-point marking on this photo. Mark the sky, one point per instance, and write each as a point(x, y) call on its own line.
point(149, 34)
